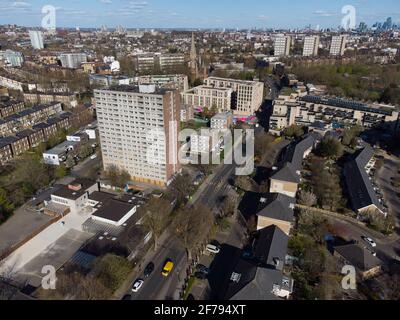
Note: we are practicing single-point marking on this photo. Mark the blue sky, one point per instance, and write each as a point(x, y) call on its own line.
point(197, 13)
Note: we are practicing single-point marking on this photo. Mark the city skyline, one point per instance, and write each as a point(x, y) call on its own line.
point(179, 13)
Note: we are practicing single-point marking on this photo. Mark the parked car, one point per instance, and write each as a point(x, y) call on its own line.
point(247, 255)
point(200, 275)
point(93, 156)
point(371, 242)
point(203, 269)
point(371, 251)
point(168, 266)
point(148, 270)
point(213, 248)
point(137, 285)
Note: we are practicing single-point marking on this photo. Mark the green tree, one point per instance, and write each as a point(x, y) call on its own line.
point(330, 148)
point(61, 171)
point(85, 151)
point(293, 131)
point(112, 270)
point(6, 207)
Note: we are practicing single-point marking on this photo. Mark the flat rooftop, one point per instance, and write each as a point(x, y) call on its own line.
point(113, 207)
point(68, 193)
point(132, 89)
point(62, 147)
point(348, 104)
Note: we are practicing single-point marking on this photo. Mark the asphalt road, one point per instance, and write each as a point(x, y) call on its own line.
point(387, 249)
point(83, 168)
point(158, 287)
point(218, 185)
point(271, 83)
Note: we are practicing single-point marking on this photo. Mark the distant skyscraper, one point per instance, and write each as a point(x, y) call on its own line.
point(362, 27)
point(138, 131)
point(72, 60)
point(311, 45)
point(282, 45)
point(36, 39)
point(388, 23)
point(338, 45)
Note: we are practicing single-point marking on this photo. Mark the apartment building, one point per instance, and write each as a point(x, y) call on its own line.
point(311, 45)
point(17, 145)
point(187, 112)
point(35, 137)
point(5, 151)
point(166, 62)
point(10, 107)
point(222, 121)
point(338, 45)
point(180, 80)
point(12, 83)
point(72, 60)
point(138, 131)
point(282, 45)
point(247, 96)
point(308, 109)
point(36, 38)
point(361, 192)
point(28, 117)
point(11, 58)
point(169, 62)
point(67, 99)
point(209, 97)
point(204, 142)
point(145, 62)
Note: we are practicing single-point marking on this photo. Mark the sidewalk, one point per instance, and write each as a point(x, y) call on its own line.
point(138, 269)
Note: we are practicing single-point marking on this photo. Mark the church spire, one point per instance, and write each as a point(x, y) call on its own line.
point(193, 53)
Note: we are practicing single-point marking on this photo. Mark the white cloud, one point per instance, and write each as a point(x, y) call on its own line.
point(323, 13)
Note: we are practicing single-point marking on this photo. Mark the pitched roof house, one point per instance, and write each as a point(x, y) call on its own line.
point(261, 276)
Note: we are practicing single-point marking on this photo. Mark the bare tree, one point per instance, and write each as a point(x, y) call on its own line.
point(229, 205)
point(156, 213)
point(307, 198)
point(180, 187)
point(191, 226)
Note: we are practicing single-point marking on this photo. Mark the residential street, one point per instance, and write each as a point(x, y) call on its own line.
point(157, 287)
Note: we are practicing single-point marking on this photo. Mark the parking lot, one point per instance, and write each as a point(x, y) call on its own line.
point(385, 190)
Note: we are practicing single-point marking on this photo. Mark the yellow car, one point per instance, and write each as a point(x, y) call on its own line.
point(169, 265)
